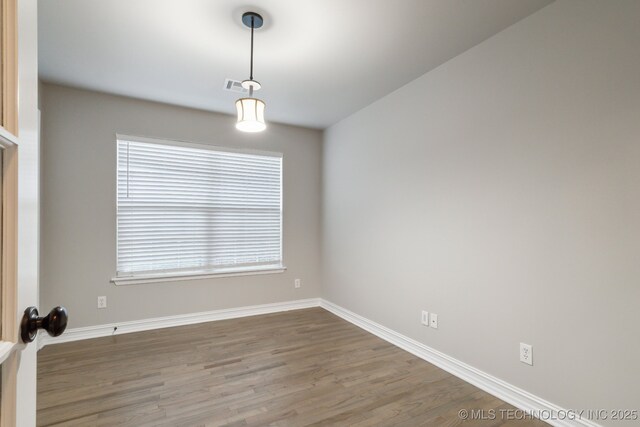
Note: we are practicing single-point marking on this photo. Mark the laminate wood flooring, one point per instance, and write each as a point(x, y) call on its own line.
point(297, 368)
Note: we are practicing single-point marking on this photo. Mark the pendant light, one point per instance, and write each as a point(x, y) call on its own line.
point(251, 110)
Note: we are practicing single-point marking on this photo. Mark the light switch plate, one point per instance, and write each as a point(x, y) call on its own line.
point(425, 318)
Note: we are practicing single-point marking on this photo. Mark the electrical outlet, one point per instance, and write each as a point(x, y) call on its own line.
point(425, 318)
point(526, 354)
point(297, 283)
point(433, 321)
point(102, 302)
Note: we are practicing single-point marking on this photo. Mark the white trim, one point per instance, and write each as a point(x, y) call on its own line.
point(76, 334)
point(179, 276)
point(7, 139)
point(6, 347)
point(509, 393)
point(199, 145)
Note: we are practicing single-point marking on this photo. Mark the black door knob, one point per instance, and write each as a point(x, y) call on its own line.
point(54, 323)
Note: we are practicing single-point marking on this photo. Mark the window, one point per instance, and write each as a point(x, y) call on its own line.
point(189, 209)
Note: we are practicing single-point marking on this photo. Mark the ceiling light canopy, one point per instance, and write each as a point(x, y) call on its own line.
point(250, 109)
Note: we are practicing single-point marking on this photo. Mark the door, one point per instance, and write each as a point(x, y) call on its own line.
point(19, 146)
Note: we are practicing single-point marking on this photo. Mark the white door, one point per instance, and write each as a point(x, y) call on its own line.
point(19, 139)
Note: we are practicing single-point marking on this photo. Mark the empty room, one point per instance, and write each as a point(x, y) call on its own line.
point(320, 213)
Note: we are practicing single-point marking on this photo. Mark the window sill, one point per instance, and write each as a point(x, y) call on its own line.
point(177, 277)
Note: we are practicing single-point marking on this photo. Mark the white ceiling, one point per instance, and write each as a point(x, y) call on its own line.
point(318, 60)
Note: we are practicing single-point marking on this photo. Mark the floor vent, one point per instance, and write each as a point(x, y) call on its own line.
point(234, 86)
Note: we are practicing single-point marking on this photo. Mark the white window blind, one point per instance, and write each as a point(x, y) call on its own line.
point(191, 208)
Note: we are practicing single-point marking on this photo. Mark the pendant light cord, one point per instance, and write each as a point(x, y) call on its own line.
point(251, 66)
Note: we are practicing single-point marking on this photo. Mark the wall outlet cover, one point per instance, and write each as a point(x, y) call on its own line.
point(433, 321)
point(297, 283)
point(102, 302)
point(526, 354)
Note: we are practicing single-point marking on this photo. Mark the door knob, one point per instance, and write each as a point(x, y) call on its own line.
point(54, 323)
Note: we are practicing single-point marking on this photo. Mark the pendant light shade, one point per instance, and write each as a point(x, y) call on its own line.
point(250, 115)
point(251, 110)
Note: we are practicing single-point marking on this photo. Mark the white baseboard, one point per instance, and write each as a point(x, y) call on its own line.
point(513, 395)
point(75, 334)
point(502, 390)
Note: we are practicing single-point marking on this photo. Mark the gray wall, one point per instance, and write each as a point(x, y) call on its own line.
point(78, 238)
point(502, 191)
point(499, 191)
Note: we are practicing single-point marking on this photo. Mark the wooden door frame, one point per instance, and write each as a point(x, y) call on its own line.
point(9, 265)
point(9, 342)
point(9, 89)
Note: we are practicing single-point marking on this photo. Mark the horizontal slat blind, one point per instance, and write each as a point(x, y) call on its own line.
point(187, 209)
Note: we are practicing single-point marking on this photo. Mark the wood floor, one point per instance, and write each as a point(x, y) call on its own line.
point(299, 368)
